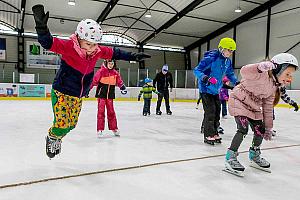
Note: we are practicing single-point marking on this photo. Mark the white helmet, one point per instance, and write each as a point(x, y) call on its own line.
point(285, 58)
point(89, 30)
point(282, 61)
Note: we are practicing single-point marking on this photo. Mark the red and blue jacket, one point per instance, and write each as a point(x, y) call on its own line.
point(76, 71)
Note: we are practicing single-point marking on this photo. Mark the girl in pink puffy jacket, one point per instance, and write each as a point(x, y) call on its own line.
point(252, 102)
point(106, 79)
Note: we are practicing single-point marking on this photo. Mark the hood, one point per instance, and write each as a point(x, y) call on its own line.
point(81, 52)
point(215, 53)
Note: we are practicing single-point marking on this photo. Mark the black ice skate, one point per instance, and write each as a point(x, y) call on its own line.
point(209, 140)
point(220, 130)
point(169, 112)
point(218, 139)
point(158, 112)
point(149, 113)
point(53, 146)
point(145, 114)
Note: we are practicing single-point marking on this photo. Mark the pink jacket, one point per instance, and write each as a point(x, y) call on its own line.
point(254, 96)
point(106, 80)
point(75, 57)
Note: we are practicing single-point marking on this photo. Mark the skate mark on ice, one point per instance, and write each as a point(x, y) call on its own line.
point(129, 168)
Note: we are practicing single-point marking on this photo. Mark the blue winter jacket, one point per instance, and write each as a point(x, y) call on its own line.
point(214, 64)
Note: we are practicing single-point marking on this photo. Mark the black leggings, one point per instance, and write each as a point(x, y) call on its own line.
point(212, 108)
point(243, 123)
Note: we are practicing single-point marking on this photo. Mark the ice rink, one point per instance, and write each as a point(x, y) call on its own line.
point(156, 157)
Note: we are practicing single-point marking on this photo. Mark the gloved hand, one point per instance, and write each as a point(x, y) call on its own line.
point(268, 134)
point(139, 97)
point(123, 92)
point(140, 56)
point(123, 89)
point(266, 66)
point(295, 105)
point(227, 87)
point(209, 80)
point(40, 19)
point(171, 89)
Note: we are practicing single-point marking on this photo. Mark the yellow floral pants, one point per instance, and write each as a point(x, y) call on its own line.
point(66, 110)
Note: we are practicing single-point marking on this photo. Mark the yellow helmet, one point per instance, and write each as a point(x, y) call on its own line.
point(227, 43)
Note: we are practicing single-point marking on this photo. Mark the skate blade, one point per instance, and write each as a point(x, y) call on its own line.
point(234, 172)
point(218, 141)
point(210, 143)
point(254, 165)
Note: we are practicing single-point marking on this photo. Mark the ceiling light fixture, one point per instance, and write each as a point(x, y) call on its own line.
point(238, 8)
point(71, 2)
point(148, 14)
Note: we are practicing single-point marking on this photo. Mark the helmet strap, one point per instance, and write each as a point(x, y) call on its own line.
point(276, 79)
point(222, 51)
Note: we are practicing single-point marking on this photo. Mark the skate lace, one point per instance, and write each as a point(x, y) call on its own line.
point(54, 145)
point(234, 162)
point(261, 161)
point(258, 159)
point(57, 145)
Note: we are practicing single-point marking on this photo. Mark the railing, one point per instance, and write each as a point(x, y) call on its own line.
point(131, 77)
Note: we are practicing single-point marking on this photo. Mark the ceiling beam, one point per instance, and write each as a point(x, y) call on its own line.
point(234, 23)
point(23, 5)
point(254, 2)
point(151, 9)
point(138, 19)
point(174, 19)
point(107, 10)
point(206, 19)
point(10, 5)
point(291, 48)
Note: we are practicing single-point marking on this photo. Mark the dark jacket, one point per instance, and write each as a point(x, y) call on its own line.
point(163, 81)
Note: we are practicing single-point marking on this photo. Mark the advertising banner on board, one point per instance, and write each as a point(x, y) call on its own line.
point(8, 90)
point(38, 57)
point(32, 90)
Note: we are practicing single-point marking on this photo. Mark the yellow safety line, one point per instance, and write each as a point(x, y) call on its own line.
point(128, 168)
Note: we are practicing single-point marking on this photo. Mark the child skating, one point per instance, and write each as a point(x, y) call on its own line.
point(79, 55)
point(146, 91)
point(210, 71)
point(252, 102)
point(106, 78)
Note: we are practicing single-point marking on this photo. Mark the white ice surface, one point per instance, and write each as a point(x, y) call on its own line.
point(144, 140)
